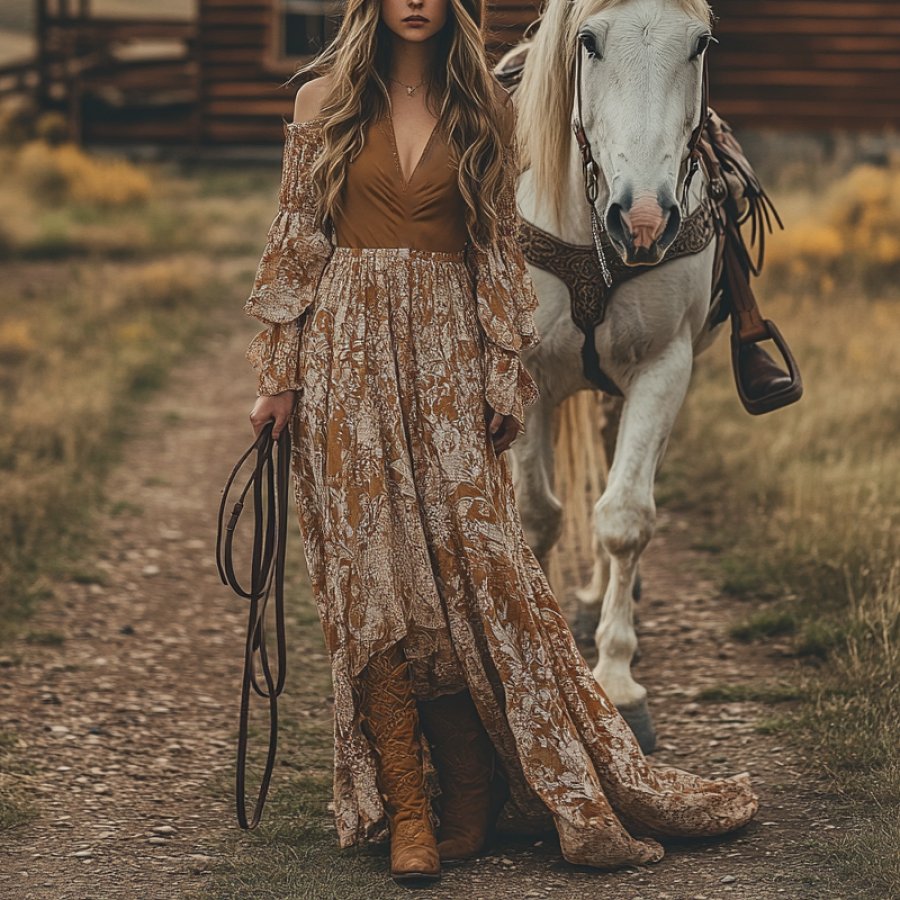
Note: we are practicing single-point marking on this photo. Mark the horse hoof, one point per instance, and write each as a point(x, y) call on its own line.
point(640, 722)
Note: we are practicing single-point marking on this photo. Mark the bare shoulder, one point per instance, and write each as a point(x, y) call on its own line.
point(310, 99)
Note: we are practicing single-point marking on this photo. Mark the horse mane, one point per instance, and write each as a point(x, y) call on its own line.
point(547, 93)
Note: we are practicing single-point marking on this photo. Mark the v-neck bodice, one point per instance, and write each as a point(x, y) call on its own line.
point(380, 208)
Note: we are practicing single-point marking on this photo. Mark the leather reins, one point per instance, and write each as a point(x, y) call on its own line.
point(268, 482)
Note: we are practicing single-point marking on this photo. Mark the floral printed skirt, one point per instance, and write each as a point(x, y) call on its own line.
point(412, 535)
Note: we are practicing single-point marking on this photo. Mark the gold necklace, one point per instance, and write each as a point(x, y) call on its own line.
point(410, 88)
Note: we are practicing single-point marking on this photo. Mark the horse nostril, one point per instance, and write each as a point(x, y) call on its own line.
point(616, 224)
point(673, 226)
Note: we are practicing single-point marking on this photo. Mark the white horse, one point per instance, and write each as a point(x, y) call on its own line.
point(641, 85)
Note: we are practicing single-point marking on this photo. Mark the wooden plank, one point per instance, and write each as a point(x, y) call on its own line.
point(261, 88)
point(219, 38)
point(214, 17)
point(823, 110)
point(512, 19)
point(232, 131)
point(108, 29)
point(249, 108)
point(214, 74)
point(176, 131)
point(774, 9)
point(809, 26)
point(249, 57)
point(806, 61)
point(147, 81)
point(837, 98)
point(807, 78)
point(790, 45)
point(207, 5)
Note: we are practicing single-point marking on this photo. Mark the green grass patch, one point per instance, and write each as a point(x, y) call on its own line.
point(738, 693)
point(765, 623)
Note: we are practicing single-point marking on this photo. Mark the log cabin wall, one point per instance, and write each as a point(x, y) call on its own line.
point(807, 64)
point(238, 92)
point(241, 47)
point(800, 64)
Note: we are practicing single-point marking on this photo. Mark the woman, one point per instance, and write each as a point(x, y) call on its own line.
point(396, 303)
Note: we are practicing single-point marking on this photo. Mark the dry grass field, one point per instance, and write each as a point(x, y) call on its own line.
point(802, 508)
point(110, 273)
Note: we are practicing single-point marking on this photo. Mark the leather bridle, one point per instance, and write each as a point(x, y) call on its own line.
point(269, 482)
point(591, 171)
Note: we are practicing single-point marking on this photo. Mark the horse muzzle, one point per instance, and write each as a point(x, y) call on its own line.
point(642, 231)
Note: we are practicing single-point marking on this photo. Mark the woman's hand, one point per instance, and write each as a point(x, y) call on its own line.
point(278, 407)
point(503, 430)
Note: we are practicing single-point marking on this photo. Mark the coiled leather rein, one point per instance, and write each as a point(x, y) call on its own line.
point(268, 487)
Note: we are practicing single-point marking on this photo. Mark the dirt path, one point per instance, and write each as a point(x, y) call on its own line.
point(128, 722)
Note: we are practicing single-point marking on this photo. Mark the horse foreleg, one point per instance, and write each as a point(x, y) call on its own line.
point(624, 519)
point(590, 597)
point(540, 510)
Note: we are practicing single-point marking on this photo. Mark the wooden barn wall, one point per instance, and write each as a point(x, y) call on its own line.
point(787, 63)
point(240, 97)
point(810, 64)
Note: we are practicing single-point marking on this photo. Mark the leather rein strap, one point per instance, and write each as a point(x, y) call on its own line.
point(268, 484)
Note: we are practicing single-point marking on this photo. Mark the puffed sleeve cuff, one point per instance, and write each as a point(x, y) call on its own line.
point(509, 386)
point(288, 272)
point(274, 354)
point(506, 301)
point(294, 257)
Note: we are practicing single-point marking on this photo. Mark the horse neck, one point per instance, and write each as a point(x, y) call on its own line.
point(575, 224)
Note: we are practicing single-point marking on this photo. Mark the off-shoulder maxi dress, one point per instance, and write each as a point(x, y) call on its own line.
point(395, 329)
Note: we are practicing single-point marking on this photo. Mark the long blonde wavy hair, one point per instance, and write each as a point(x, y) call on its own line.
point(463, 94)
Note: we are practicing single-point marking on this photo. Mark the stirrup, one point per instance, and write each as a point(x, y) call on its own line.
point(791, 393)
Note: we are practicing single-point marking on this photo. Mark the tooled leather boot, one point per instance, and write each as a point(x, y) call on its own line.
point(472, 790)
point(390, 720)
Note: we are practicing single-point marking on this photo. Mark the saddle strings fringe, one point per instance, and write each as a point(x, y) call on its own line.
point(269, 483)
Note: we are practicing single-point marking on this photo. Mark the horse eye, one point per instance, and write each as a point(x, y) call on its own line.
point(703, 43)
point(589, 42)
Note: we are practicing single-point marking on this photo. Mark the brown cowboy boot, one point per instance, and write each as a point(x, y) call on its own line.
point(472, 790)
point(390, 721)
point(760, 374)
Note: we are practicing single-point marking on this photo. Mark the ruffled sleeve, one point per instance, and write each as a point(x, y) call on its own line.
point(288, 274)
point(506, 301)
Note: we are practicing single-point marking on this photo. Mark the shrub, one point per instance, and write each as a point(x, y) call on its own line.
point(56, 175)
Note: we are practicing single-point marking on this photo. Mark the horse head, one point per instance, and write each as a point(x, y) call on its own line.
point(639, 67)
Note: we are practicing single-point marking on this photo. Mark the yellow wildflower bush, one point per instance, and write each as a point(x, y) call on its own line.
point(853, 228)
point(66, 174)
point(16, 340)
